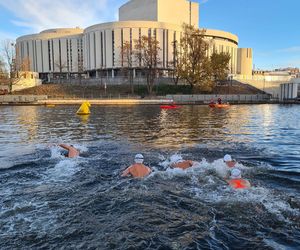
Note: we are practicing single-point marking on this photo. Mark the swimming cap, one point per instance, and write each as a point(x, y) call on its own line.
point(139, 158)
point(227, 158)
point(236, 174)
point(176, 158)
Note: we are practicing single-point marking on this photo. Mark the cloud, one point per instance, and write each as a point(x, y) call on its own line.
point(7, 35)
point(203, 1)
point(290, 49)
point(35, 16)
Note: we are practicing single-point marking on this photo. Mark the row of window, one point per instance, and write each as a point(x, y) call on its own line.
point(90, 43)
point(61, 63)
point(166, 61)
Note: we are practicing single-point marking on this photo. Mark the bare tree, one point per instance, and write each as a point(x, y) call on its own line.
point(4, 76)
point(3, 69)
point(9, 54)
point(80, 72)
point(13, 63)
point(147, 54)
point(61, 66)
point(174, 63)
point(127, 62)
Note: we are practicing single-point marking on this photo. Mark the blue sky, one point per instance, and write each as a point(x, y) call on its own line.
point(270, 27)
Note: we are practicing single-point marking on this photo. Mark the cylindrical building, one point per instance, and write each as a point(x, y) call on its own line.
point(67, 52)
point(52, 51)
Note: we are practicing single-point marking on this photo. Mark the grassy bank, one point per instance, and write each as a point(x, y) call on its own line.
point(98, 91)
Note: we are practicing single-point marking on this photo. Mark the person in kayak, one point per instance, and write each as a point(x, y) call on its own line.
point(212, 101)
point(236, 181)
point(138, 169)
point(181, 163)
point(219, 100)
point(71, 151)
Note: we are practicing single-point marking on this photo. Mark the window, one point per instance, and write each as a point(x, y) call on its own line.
point(113, 47)
point(49, 55)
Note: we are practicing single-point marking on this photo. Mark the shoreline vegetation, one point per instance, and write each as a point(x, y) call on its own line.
point(93, 91)
point(73, 94)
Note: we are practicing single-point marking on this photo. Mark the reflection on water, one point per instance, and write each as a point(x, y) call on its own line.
point(48, 201)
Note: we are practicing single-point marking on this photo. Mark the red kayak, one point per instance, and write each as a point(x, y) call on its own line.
point(216, 105)
point(169, 106)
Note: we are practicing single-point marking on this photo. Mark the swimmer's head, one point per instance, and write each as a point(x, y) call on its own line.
point(236, 174)
point(227, 158)
point(139, 158)
point(176, 158)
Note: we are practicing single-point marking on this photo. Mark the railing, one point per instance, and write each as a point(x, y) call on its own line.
point(93, 97)
point(225, 98)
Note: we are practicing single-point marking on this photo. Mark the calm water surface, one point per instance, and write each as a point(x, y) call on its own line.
point(50, 202)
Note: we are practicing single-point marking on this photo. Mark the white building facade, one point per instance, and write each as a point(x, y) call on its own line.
point(97, 49)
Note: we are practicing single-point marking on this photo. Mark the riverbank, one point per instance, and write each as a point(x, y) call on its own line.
point(169, 99)
point(100, 91)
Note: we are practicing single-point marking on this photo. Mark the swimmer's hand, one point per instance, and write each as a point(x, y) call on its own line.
point(196, 164)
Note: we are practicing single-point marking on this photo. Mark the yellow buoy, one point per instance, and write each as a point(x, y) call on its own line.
point(84, 109)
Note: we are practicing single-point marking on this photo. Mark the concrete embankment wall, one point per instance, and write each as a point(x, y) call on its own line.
point(225, 98)
point(105, 101)
point(15, 99)
point(179, 99)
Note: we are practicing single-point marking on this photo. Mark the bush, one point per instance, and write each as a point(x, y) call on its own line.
point(164, 89)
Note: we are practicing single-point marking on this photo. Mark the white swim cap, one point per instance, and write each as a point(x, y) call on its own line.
point(236, 174)
point(227, 158)
point(139, 158)
point(176, 158)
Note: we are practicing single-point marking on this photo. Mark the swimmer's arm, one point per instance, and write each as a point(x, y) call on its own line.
point(67, 147)
point(173, 165)
point(191, 162)
point(126, 172)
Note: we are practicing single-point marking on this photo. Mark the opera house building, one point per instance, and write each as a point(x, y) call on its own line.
point(96, 50)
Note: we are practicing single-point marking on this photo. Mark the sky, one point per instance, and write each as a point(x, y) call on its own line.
point(270, 27)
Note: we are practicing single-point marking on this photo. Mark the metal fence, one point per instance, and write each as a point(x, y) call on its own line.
point(225, 98)
point(113, 81)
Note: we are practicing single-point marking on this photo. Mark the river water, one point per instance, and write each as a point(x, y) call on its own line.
point(51, 202)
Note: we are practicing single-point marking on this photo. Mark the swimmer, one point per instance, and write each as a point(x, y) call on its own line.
point(178, 162)
point(223, 170)
point(72, 152)
point(236, 181)
point(138, 169)
point(229, 162)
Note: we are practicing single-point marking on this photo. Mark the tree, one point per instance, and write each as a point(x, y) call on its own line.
point(175, 71)
point(4, 77)
point(194, 64)
point(127, 62)
point(81, 71)
point(13, 63)
point(61, 66)
point(8, 51)
point(220, 65)
point(147, 54)
point(2, 67)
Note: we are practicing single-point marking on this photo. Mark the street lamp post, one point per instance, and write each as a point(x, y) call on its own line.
point(11, 67)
